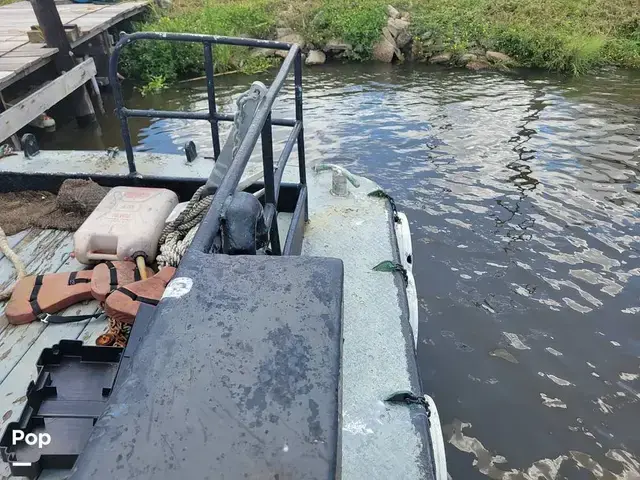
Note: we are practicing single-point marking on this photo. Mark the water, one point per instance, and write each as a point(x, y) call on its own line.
point(521, 192)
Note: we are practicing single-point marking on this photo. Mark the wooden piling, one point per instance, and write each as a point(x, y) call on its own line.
point(56, 37)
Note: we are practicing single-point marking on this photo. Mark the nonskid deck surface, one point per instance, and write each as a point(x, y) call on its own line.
point(378, 441)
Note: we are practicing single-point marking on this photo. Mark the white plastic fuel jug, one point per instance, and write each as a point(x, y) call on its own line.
point(128, 221)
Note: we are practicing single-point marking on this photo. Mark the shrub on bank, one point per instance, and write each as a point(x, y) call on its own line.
point(356, 22)
point(150, 60)
point(561, 35)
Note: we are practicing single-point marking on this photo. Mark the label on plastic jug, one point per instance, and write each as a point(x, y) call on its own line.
point(138, 193)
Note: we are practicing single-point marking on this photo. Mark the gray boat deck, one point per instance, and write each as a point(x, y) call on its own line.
point(378, 441)
point(48, 251)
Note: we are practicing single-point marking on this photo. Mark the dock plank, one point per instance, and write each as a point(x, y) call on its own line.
point(14, 240)
point(34, 244)
point(8, 46)
point(15, 63)
point(16, 340)
point(26, 110)
point(93, 330)
point(37, 250)
point(30, 50)
point(107, 18)
point(30, 65)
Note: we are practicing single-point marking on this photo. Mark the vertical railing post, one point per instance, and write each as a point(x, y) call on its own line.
point(269, 184)
point(128, 147)
point(301, 158)
point(211, 96)
point(120, 108)
point(55, 36)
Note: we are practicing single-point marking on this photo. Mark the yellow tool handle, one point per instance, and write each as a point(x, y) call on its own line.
point(142, 267)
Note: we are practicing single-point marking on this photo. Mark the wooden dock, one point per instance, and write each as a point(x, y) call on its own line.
point(20, 58)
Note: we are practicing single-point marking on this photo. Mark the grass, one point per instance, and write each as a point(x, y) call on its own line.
point(165, 62)
point(572, 36)
point(562, 35)
point(357, 22)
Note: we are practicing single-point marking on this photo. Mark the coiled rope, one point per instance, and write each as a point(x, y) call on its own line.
point(17, 264)
point(177, 235)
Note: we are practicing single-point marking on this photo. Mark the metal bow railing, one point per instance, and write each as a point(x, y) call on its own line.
point(260, 127)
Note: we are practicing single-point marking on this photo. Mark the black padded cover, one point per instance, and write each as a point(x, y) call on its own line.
point(237, 377)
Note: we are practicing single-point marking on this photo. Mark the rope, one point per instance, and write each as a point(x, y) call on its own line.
point(6, 150)
point(178, 235)
point(120, 332)
point(117, 334)
point(17, 263)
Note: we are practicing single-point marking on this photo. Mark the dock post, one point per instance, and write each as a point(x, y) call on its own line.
point(56, 37)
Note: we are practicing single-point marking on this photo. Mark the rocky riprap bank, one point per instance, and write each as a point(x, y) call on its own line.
point(396, 44)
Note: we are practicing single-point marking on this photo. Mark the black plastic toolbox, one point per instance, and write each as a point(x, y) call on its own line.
point(73, 385)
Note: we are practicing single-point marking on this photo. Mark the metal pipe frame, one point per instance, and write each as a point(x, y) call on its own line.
point(261, 126)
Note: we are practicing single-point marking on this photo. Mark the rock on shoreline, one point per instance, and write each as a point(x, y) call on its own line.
point(396, 43)
point(315, 57)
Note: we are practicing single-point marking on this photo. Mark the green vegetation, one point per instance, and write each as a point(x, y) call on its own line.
point(573, 36)
point(357, 22)
point(156, 84)
point(149, 61)
point(561, 35)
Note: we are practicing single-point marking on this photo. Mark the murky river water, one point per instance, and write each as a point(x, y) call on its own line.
point(523, 197)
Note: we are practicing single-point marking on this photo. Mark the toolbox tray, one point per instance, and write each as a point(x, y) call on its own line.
point(73, 385)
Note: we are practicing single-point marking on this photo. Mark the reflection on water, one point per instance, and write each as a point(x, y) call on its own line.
point(523, 198)
point(546, 468)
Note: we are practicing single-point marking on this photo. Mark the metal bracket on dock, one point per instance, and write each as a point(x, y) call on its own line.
point(190, 151)
point(30, 145)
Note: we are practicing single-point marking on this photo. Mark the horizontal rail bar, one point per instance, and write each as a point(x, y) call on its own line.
point(210, 226)
point(201, 38)
point(284, 158)
point(134, 112)
point(280, 122)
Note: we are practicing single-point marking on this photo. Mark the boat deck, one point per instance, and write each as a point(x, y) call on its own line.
point(43, 251)
point(49, 251)
point(378, 441)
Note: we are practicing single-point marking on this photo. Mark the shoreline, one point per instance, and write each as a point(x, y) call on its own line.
point(397, 44)
point(373, 30)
